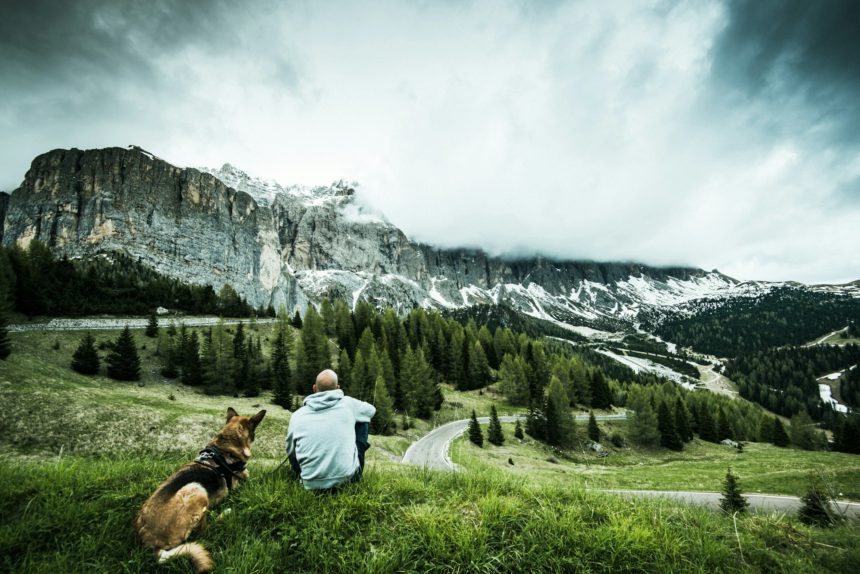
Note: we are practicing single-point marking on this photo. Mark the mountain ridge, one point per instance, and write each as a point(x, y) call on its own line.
point(294, 245)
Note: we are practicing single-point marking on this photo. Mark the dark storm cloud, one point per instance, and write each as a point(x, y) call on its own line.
point(785, 51)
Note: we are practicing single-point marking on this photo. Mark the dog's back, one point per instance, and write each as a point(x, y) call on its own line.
point(179, 506)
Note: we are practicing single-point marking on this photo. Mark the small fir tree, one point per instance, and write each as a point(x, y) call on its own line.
point(724, 427)
point(780, 437)
point(666, 424)
point(383, 421)
point(281, 376)
point(495, 434)
point(601, 396)
point(815, 507)
point(5, 345)
point(85, 359)
point(192, 369)
point(707, 426)
point(475, 434)
point(152, 326)
point(732, 501)
point(593, 429)
point(123, 363)
point(682, 421)
point(297, 320)
point(518, 430)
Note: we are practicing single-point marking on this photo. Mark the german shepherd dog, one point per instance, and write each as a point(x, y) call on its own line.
point(179, 506)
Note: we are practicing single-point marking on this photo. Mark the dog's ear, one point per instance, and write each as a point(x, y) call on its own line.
point(255, 420)
point(231, 412)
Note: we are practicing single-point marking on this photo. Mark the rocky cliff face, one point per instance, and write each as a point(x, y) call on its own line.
point(181, 221)
point(295, 245)
point(4, 206)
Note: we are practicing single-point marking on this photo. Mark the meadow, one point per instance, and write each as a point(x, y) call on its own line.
point(79, 455)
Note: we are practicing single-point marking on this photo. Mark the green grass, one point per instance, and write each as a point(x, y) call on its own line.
point(700, 466)
point(79, 455)
point(76, 515)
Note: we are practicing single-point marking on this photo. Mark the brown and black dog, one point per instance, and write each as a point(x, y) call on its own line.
point(179, 506)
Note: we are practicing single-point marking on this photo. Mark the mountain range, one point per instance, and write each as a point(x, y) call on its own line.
point(295, 245)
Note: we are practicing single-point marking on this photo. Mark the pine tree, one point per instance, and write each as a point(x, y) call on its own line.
point(383, 421)
point(682, 421)
point(241, 365)
point(536, 421)
point(643, 423)
point(707, 428)
point(518, 430)
point(479, 367)
point(5, 344)
point(780, 437)
point(297, 320)
point(732, 501)
point(329, 318)
point(316, 355)
point(123, 364)
point(419, 383)
point(815, 507)
point(601, 396)
point(170, 369)
point(85, 359)
point(152, 326)
point(593, 429)
point(560, 427)
point(724, 427)
point(475, 434)
point(513, 382)
point(666, 424)
point(281, 377)
point(252, 383)
point(495, 434)
point(209, 367)
point(192, 370)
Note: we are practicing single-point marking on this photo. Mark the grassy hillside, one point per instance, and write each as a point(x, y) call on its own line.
point(700, 466)
point(80, 455)
point(75, 515)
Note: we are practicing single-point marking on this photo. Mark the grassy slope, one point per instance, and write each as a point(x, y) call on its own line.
point(75, 516)
point(701, 466)
point(80, 454)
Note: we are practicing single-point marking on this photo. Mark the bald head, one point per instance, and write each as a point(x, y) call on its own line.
point(326, 381)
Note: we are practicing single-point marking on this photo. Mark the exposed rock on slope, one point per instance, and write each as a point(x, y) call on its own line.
point(293, 244)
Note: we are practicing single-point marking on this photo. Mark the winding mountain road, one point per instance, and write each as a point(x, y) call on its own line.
point(431, 451)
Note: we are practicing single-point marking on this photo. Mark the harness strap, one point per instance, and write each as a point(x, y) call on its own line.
point(223, 468)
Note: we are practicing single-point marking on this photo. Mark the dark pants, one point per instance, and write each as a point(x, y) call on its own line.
point(362, 436)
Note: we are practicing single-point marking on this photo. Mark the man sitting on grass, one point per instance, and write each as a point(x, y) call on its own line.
point(327, 437)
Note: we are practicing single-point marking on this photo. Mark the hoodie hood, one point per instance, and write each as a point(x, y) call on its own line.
point(323, 400)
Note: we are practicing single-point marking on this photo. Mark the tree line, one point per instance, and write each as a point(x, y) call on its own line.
point(783, 316)
point(37, 283)
point(785, 380)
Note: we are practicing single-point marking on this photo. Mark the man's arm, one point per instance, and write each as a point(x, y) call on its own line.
point(290, 442)
point(363, 411)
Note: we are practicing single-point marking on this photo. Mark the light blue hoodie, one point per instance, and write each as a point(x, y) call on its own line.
point(322, 435)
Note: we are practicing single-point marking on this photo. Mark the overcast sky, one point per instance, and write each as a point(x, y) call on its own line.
point(713, 134)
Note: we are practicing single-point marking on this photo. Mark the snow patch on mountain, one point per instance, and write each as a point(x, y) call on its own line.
point(265, 191)
point(827, 398)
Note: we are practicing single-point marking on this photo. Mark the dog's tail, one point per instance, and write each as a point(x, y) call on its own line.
point(200, 559)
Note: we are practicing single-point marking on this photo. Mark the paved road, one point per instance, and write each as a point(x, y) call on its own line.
point(431, 450)
point(120, 322)
point(769, 503)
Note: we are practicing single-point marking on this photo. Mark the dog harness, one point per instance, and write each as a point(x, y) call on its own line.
point(223, 468)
